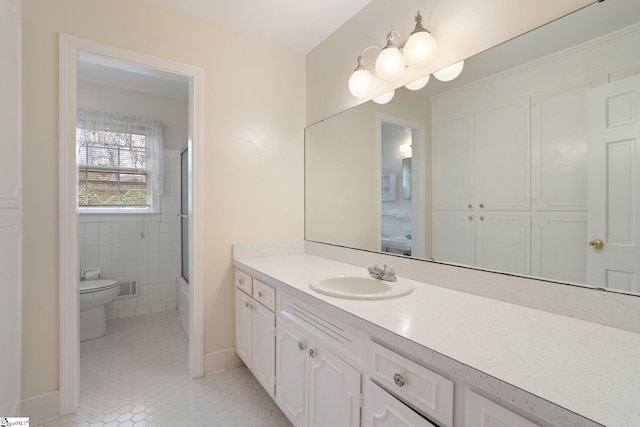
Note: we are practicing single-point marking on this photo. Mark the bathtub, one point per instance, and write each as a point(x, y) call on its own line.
point(182, 290)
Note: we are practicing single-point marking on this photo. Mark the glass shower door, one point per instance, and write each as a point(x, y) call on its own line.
point(184, 211)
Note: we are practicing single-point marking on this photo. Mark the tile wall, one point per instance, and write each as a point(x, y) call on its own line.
point(144, 248)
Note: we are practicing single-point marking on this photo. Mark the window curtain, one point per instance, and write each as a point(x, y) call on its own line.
point(93, 121)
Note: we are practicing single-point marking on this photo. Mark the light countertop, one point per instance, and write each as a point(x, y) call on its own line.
point(587, 368)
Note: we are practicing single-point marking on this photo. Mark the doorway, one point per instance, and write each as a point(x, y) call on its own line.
point(401, 223)
point(70, 50)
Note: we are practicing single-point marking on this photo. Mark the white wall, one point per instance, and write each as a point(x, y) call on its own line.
point(10, 232)
point(253, 152)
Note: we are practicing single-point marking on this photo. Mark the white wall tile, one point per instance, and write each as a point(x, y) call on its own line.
point(145, 251)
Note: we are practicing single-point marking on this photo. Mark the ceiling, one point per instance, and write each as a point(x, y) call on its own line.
point(298, 25)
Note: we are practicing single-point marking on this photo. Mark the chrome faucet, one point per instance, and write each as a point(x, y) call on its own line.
point(386, 272)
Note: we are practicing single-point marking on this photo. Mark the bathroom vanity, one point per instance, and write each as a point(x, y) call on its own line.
point(436, 356)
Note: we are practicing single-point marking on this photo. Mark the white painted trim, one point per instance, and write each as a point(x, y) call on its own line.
point(41, 408)
point(68, 232)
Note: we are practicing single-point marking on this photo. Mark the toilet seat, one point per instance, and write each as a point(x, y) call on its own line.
point(91, 286)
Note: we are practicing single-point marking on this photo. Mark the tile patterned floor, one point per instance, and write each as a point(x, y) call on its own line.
point(137, 376)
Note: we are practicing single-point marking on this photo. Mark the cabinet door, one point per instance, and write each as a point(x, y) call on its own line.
point(292, 372)
point(243, 326)
point(503, 242)
point(503, 156)
point(453, 163)
point(383, 410)
point(334, 391)
point(264, 347)
point(455, 237)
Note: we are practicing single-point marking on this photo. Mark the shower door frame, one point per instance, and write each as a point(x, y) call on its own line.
point(70, 46)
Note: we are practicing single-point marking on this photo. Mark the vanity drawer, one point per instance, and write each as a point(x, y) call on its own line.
point(425, 390)
point(264, 294)
point(480, 412)
point(244, 281)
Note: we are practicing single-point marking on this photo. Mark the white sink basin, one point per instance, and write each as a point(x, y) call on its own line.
point(361, 287)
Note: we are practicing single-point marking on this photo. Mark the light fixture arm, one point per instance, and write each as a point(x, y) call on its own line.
point(390, 42)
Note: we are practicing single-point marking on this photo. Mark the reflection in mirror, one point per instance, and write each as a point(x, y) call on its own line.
point(526, 159)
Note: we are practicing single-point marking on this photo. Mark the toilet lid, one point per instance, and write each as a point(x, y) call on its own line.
point(97, 285)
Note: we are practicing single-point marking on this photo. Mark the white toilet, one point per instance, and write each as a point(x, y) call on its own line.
point(94, 294)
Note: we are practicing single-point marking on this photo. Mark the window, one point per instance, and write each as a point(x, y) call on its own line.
point(119, 163)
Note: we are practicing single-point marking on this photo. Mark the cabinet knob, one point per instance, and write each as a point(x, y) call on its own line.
point(260, 294)
point(470, 218)
point(301, 346)
point(470, 206)
point(481, 205)
point(312, 353)
point(399, 380)
point(481, 218)
point(241, 281)
point(246, 304)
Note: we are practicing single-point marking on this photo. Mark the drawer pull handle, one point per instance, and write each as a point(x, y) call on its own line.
point(301, 346)
point(399, 379)
point(312, 353)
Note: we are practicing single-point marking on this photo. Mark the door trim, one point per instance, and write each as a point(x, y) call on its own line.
point(68, 213)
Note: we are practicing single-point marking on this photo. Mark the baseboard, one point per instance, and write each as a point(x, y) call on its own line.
point(222, 360)
point(42, 408)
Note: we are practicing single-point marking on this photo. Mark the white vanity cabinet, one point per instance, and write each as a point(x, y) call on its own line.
point(315, 388)
point(255, 328)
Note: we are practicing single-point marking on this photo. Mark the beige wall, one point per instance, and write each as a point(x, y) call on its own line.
point(342, 170)
point(461, 27)
point(253, 148)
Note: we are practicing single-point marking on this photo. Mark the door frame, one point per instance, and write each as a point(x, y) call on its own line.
point(418, 165)
point(69, 340)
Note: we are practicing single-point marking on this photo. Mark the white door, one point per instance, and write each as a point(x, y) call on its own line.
point(264, 348)
point(613, 257)
point(334, 391)
point(292, 371)
point(243, 326)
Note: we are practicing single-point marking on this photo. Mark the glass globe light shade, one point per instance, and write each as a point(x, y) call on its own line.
point(418, 84)
point(385, 97)
point(390, 63)
point(360, 83)
point(449, 73)
point(420, 49)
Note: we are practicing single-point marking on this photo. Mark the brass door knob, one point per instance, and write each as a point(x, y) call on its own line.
point(596, 244)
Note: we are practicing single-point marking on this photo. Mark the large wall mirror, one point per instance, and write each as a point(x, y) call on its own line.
point(528, 163)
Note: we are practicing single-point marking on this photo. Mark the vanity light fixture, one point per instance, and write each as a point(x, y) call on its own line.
point(418, 84)
point(361, 81)
point(449, 73)
point(421, 46)
point(385, 97)
point(390, 63)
